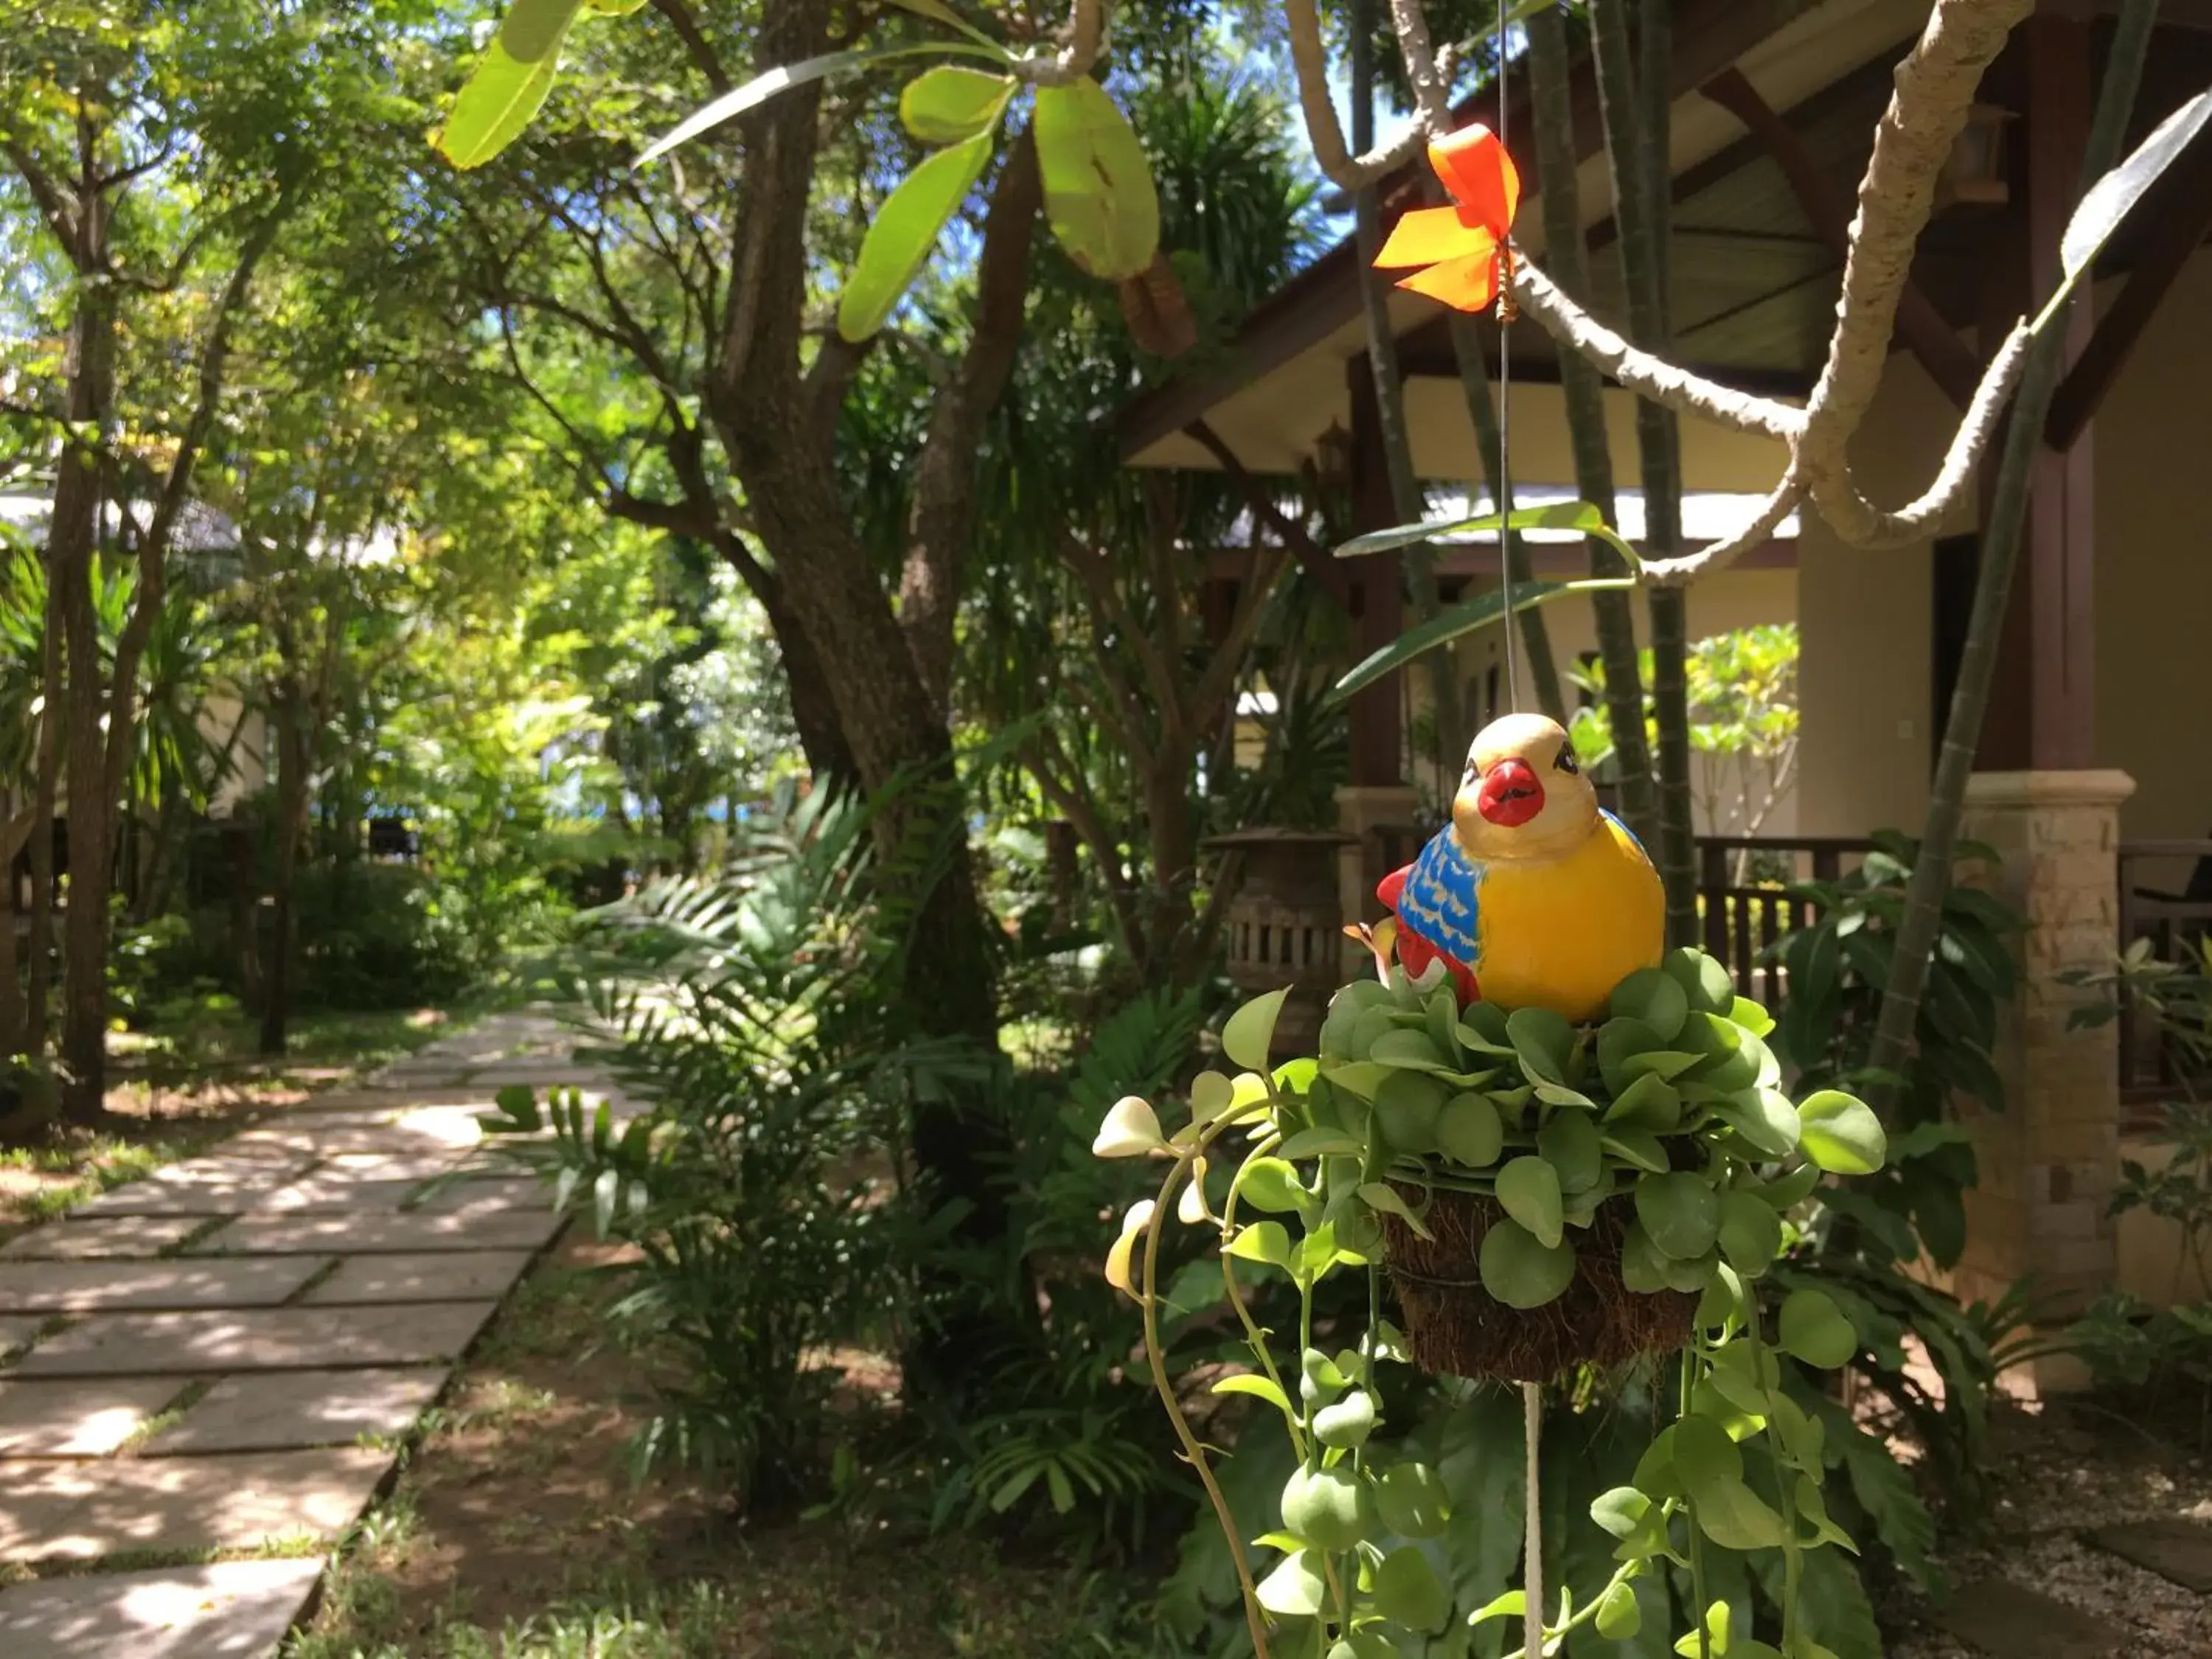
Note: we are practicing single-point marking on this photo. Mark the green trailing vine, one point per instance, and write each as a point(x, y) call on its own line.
point(1536, 1197)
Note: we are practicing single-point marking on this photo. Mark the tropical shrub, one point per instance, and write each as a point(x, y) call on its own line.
point(759, 1183)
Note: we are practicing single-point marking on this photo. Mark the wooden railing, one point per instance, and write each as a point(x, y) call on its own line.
point(2166, 897)
point(1745, 906)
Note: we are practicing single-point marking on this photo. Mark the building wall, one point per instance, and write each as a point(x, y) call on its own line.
point(2154, 592)
point(1866, 675)
point(1864, 683)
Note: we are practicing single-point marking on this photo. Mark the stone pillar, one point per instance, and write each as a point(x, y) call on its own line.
point(2050, 1158)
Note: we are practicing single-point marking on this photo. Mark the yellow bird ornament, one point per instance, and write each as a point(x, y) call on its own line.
point(1533, 896)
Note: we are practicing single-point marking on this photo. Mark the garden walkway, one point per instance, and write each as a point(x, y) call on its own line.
point(206, 1376)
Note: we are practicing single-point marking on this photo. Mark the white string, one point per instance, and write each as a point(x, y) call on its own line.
point(1505, 413)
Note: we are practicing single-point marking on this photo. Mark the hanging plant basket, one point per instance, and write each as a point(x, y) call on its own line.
point(1456, 1327)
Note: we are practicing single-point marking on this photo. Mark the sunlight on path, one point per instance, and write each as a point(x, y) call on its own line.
point(206, 1376)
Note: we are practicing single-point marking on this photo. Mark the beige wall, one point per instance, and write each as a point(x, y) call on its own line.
point(1866, 671)
point(2154, 595)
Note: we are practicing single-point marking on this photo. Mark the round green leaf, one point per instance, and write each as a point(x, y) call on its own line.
point(1295, 1589)
point(1469, 1132)
point(1519, 1270)
point(951, 104)
point(1679, 1212)
point(1363, 1645)
point(1752, 1016)
point(1528, 1190)
point(1417, 1050)
point(1750, 1234)
point(1330, 1508)
point(1841, 1133)
point(1098, 191)
point(1643, 1269)
point(898, 243)
point(1413, 1501)
point(1814, 1329)
point(1570, 1143)
point(1723, 1301)
point(1542, 1040)
point(1638, 1147)
point(1407, 1105)
point(1763, 1117)
point(1262, 1240)
point(1737, 1518)
point(1649, 1102)
point(1348, 1422)
point(1785, 1193)
point(1406, 1591)
point(1269, 1183)
point(1621, 1510)
point(1705, 979)
point(1656, 999)
point(1619, 1615)
point(1250, 1032)
point(1733, 1058)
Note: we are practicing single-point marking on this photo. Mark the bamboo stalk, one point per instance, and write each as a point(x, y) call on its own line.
point(1635, 152)
point(1558, 197)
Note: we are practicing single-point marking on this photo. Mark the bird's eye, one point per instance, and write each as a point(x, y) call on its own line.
point(1567, 761)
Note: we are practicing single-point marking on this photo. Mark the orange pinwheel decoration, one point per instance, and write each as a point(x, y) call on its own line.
point(1462, 248)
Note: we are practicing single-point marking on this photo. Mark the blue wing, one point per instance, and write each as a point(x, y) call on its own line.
point(1438, 900)
point(1625, 830)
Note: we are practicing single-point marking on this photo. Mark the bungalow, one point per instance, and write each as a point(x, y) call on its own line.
point(2095, 777)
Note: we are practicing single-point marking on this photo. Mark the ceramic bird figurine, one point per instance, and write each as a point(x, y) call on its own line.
point(1533, 896)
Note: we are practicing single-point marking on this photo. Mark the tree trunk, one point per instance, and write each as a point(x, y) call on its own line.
point(39, 970)
point(12, 1021)
point(245, 909)
point(1630, 144)
point(72, 537)
point(1585, 402)
point(294, 740)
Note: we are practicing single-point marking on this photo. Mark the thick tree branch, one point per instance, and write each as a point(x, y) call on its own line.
point(56, 203)
point(702, 52)
point(146, 606)
point(1655, 377)
point(1310, 57)
point(941, 524)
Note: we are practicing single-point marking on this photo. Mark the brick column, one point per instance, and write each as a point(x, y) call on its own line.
point(2050, 1158)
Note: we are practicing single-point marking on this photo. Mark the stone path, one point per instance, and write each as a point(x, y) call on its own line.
point(225, 1356)
point(2005, 1619)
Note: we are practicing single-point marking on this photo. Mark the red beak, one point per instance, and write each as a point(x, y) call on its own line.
point(1511, 794)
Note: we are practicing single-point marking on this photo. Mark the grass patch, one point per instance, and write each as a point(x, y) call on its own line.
point(168, 1417)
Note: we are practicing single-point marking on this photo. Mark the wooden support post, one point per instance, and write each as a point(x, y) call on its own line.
point(2043, 713)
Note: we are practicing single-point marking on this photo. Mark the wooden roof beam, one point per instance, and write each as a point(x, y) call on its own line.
point(1941, 352)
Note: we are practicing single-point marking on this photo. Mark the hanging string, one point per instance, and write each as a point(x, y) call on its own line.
point(1507, 312)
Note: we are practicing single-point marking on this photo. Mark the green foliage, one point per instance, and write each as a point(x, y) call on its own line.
point(1350, 1146)
point(756, 1184)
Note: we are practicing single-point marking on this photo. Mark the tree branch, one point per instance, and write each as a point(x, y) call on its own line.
point(694, 42)
point(1310, 58)
point(56, 203)
point(1312, 558)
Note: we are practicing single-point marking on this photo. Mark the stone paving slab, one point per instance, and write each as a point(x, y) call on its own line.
point(87, 1419)
point(226, 1610)
point(17, 1329)
point(263, 1339)
point(197, 1201)
point(78, 1287)
point(399, 1166)
point(84, 1510)
point(2010, 1621)
point(107, 1239)
point(441, 1276)
point(2179, 1550)
point(333, 1235)
point(487, 1194)
point(266, 1411)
